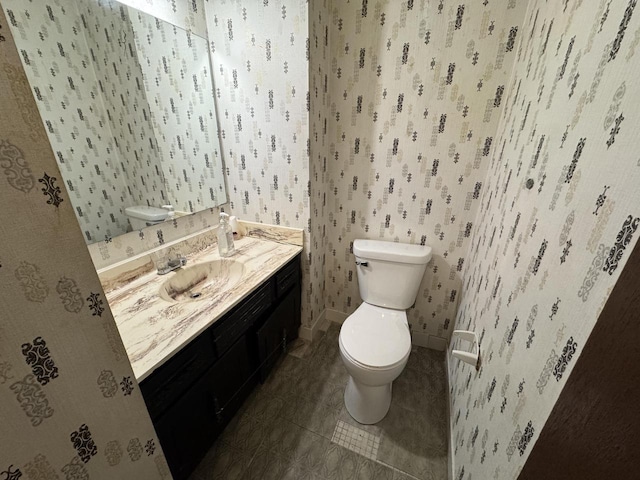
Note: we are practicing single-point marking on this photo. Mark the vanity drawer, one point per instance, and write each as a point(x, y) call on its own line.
point(287, 277)
point(171, 380)
point(242, 317)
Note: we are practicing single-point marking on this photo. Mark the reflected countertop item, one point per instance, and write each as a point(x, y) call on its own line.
point(154, 329)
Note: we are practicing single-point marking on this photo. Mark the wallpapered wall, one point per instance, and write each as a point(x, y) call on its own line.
point(375, 107)
point(261, 79)
point(319, 57)
point(544, 260)
point(415, 95)
point(71, 408)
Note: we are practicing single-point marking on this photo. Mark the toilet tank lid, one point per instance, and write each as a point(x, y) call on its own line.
point(391, 251)
point(143, 212)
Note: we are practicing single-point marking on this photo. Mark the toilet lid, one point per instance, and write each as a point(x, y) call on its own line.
point(376, 337)
point(149, 214)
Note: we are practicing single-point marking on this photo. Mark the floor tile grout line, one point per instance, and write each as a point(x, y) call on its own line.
point(255, 450)
point(307, 429)
point(253, 456)
point(396, 469)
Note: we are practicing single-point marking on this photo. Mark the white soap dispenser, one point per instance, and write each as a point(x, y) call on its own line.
point(225, 236)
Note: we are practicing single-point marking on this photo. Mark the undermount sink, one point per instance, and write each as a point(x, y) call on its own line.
point(202, 281)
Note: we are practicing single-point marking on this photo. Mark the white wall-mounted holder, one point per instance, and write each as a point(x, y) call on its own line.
point(473, 357)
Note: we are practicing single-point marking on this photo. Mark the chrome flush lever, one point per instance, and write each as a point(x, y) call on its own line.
point(362, 264)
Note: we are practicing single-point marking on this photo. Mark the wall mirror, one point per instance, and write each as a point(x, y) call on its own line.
point(128, 105)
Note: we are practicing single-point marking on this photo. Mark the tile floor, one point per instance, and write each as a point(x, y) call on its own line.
point(295, 426)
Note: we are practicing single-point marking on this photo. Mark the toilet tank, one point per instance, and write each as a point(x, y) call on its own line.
point(389, 273)
point(141, 216)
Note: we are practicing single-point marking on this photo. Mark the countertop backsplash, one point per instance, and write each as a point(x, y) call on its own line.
point(133, 244)
point(115, 250)
point(141, 258)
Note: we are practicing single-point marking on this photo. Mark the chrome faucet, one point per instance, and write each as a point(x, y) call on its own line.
point(169, 264)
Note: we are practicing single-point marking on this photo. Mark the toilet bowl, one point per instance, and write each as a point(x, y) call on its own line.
point(374, 340)
point(374, 345)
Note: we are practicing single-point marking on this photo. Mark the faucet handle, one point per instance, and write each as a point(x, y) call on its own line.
point(176, 259)
point(163, 267)
point(170, 262)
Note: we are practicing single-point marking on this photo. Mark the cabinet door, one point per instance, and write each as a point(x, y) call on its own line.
point(280, 327)
point(175, 377)
point(242, 317)
point(231, 377)
point(187, 430)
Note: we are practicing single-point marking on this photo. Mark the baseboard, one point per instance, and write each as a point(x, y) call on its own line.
point(336, 316)
point(422, 339)
point(450, 455)
point(311, 333)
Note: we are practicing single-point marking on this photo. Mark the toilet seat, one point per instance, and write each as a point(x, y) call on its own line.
point(368, 367)
point(376, 338)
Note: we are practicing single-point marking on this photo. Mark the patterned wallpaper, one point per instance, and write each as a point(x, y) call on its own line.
point(319, 56)
point(117, 139)
point(416, 90)
point(362, 168)
point(558, 218)
point(178, 83)
point(261, 83)
point(71, 408)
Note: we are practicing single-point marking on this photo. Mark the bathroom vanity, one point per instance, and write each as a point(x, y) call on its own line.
point(196, 360)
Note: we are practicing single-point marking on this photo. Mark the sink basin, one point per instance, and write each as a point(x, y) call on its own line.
point(202, 281)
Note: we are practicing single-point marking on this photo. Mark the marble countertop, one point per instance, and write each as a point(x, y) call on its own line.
point(154, 329)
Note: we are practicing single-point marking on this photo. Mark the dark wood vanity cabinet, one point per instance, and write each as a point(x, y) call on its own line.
point(193, 396)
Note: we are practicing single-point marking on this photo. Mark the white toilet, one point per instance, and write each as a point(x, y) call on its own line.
point(374, 340)
point(142, 216)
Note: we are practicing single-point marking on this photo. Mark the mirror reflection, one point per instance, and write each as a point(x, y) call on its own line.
point(127, 102)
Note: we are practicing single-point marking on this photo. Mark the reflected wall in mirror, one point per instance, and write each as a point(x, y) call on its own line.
point(127, 102)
